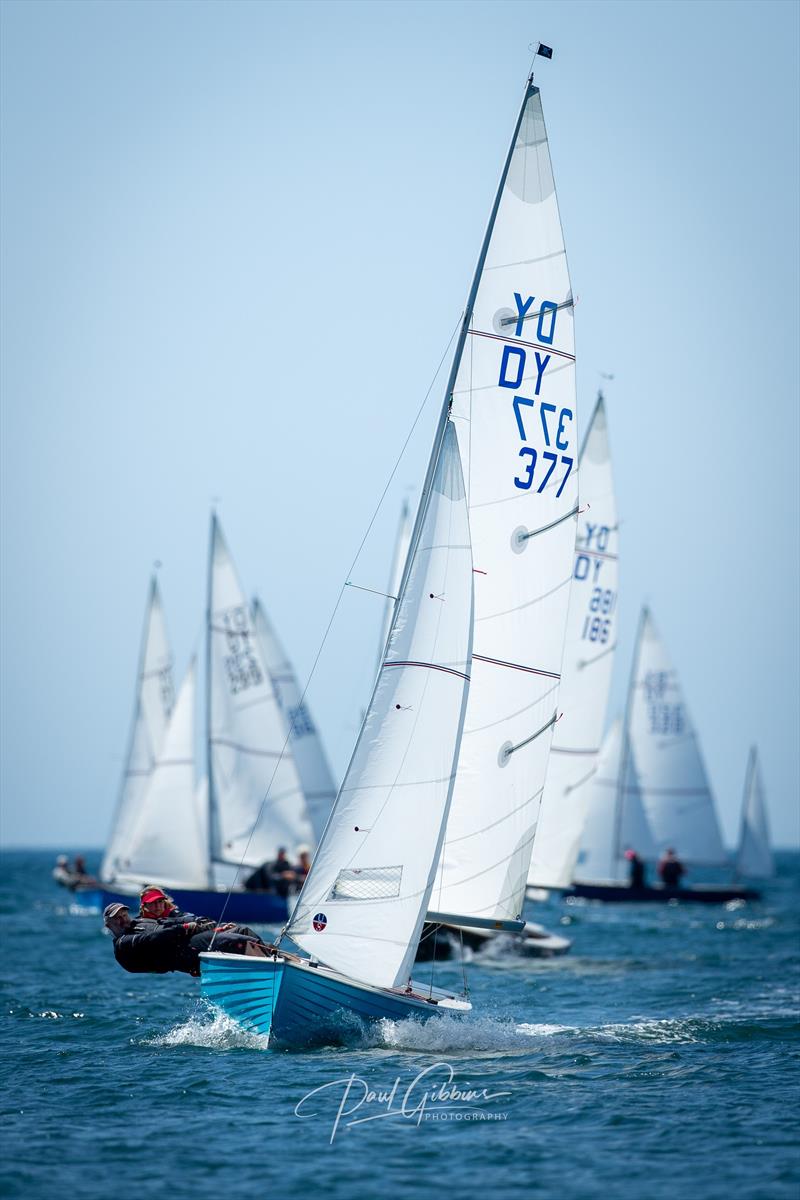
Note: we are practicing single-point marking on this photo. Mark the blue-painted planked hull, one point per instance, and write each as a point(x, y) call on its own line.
point(244, 908)
point(319, 1007)
point(247, 989)
point(300, 1005)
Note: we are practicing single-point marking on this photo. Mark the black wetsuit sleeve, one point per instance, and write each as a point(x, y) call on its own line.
point(151, 951)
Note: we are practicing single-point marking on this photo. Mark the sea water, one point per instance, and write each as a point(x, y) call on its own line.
point(658, 1059)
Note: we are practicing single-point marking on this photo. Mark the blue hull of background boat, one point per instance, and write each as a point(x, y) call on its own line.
point(245, 908)
point(710, 894)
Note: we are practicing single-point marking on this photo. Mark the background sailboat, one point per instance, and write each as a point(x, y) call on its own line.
point(754, 856)
point(316, 779)
point(588, 663)
point(195, 837)
point(153, 703)
point(661, 770)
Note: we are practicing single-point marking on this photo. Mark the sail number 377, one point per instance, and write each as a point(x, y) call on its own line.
point(555, 424)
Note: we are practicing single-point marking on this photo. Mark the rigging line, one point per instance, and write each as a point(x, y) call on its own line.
point(374, 591)
point(328, 627)
point(532, 533)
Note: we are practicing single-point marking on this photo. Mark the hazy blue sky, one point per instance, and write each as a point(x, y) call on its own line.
point(236, 239)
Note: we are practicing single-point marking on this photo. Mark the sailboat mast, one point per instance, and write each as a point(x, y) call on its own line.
point(462, 337)
point(211, 798)
point(625, 748)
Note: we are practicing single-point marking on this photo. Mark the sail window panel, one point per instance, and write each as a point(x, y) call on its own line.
point(367, 883)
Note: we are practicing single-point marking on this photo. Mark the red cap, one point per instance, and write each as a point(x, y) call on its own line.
point(151, 894)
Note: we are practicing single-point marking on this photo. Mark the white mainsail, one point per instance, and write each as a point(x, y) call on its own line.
point(167, 842)
point(514, 408)
point(401, 547)
point(587, 666)
point(362, 906)
point(256, 802)
point(662, 743)
point(154, 700)
point(316, 780)
point(615, 822)
point(754, 857)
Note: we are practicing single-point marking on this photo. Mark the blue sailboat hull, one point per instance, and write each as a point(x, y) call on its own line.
point(247, 989)
point(302, 1005)
point(244, 908)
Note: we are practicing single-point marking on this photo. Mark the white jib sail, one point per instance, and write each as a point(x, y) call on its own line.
point(669, 767)
point(514, 408)
point(154, 700)
point(586, 671)
point(167, 840)
point(255, 799)
point(754, 858)
point(614, 823)
point(316, 780)
point(362, 906)
point(401, 546)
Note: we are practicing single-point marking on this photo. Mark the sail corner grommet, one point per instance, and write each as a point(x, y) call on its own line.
point(504, 754)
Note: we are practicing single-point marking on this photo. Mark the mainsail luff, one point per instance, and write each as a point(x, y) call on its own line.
point(316, 780)
point(587, 666)
point(256, 801)
point(363, 903)
point(754, 855)
point(669, 771)
point(152, 708)
point(519, 321)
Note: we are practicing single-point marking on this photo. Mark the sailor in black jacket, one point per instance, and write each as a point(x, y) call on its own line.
point(151, 946)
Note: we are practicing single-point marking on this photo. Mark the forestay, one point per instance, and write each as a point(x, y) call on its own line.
point(669, 767)
point(754, 858)
point(167, 839)
point(614, 822)
point(316, 780)
point(363, 903)
point(586, 671)
point(514, 408)
point(255, 798)
point(153, 705)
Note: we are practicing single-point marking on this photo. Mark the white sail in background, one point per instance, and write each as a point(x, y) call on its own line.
point(669, 767)
point(587, 666)
point(167, 842)
point(514, 408)
point(401, 546)
point(614, 822)
point(255, 798)
point(754, 858)
point(154, 700)
point(362, 906)
point(316, 780)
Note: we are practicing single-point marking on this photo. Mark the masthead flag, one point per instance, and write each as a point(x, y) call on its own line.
point(545, 51)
